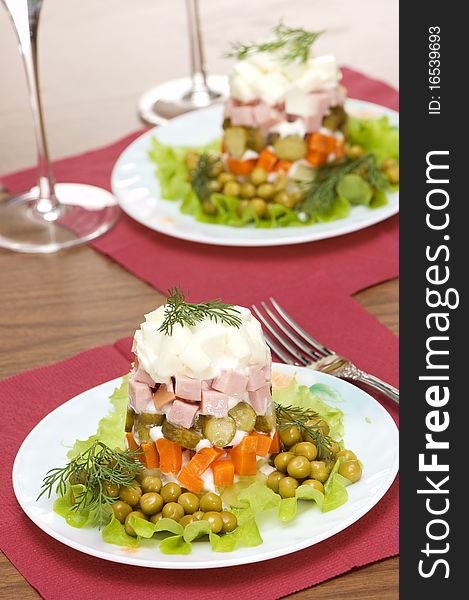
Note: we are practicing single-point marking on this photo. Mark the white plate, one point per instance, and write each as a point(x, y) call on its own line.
point(369, 431)
point(138, 192)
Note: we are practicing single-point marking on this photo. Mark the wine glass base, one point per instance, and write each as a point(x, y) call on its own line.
point(173, 98)
point(85, 213)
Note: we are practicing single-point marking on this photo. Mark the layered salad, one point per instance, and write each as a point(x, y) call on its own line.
point(200, 392)
point(290, 154)
point(202, 436)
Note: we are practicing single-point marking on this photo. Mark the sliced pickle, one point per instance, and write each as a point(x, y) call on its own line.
point(219, 431)
point(129, 419)
point(149, 419)
point(267, 423)
point(291, 147)
point(235, 140)
point(244, 416)
point(143, 432)
point(199, 423)
point(187, 438)
point(256, 139)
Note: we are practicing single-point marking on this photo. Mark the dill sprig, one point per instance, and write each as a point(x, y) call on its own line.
point(320, 193)
point(178, 310)
point(308, 422)
point(95, 469)
point(200, 176)
point(292, 44)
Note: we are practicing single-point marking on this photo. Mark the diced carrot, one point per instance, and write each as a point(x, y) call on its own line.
point(190, 481)
point(201, 461)
point(339, 149)
point(249, 443)
point(240, 167)
point(275, 444)
point(266, 160)
point(283, 165)
point(321, 143)
point(264, 442)
point(131, 443)
point(245, 463)
point(170, 456)
point(243, 456)
point(150, 458)
point(315, 158)
point(223, 472)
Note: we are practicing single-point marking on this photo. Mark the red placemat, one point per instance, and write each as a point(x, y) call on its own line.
point(58, 572)
point(314, 282)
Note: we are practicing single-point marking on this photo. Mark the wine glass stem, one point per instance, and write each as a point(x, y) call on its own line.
point(47, 201)
point(199, 78)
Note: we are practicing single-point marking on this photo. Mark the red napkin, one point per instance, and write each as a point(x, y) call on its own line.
point(314, 282)
point(58, 572)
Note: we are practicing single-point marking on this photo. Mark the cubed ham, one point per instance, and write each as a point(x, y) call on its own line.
point(256, 378)
point(214, 403)
point(231, 383)
point(162, 396)
point(260, 399)
point(313, 123)
point(140, 395)
point(188, 388)
point(206, 385)
point(266, 116)
point(142, 376)
point(243, 115)
point(182, 413)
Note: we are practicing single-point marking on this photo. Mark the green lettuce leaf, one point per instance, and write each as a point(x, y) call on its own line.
point(259, 497)
point(335, 492)
point(380, 198)
point(197, 529)
point(175, 544)
point(115, 533)
point(374, 135)
point(287, 509)
point(65, 507)
point(146, 529)
point(111, 427)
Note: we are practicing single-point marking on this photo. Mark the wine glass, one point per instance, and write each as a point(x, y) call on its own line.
point(182, 95)
point(51, 216)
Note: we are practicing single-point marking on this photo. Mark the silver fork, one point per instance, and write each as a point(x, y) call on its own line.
point(295, 346)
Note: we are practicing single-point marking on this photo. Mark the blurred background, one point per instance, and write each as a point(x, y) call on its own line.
point(97, 57)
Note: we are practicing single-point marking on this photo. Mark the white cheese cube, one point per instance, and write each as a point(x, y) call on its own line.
point(238, 346)
point(326, 68)
point(241, 90)
point(212, 341)
point(246, 71)
point(293, 70)
point(264, 61)
point(299, 103)
point(195, 359)
point(273, 87)
point(310, 81)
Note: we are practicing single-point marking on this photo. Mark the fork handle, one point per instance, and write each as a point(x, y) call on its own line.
point(378, 384)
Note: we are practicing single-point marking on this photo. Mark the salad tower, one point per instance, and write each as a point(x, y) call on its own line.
point(200, 392)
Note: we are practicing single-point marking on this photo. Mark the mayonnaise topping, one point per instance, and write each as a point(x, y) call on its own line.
point(202, 351)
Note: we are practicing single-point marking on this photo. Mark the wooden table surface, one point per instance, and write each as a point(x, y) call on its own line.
point(53, 307)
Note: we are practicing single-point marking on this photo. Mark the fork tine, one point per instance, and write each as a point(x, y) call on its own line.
point(279, 352)
point(311, 354)
point(291, 349)
point(298, 329)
